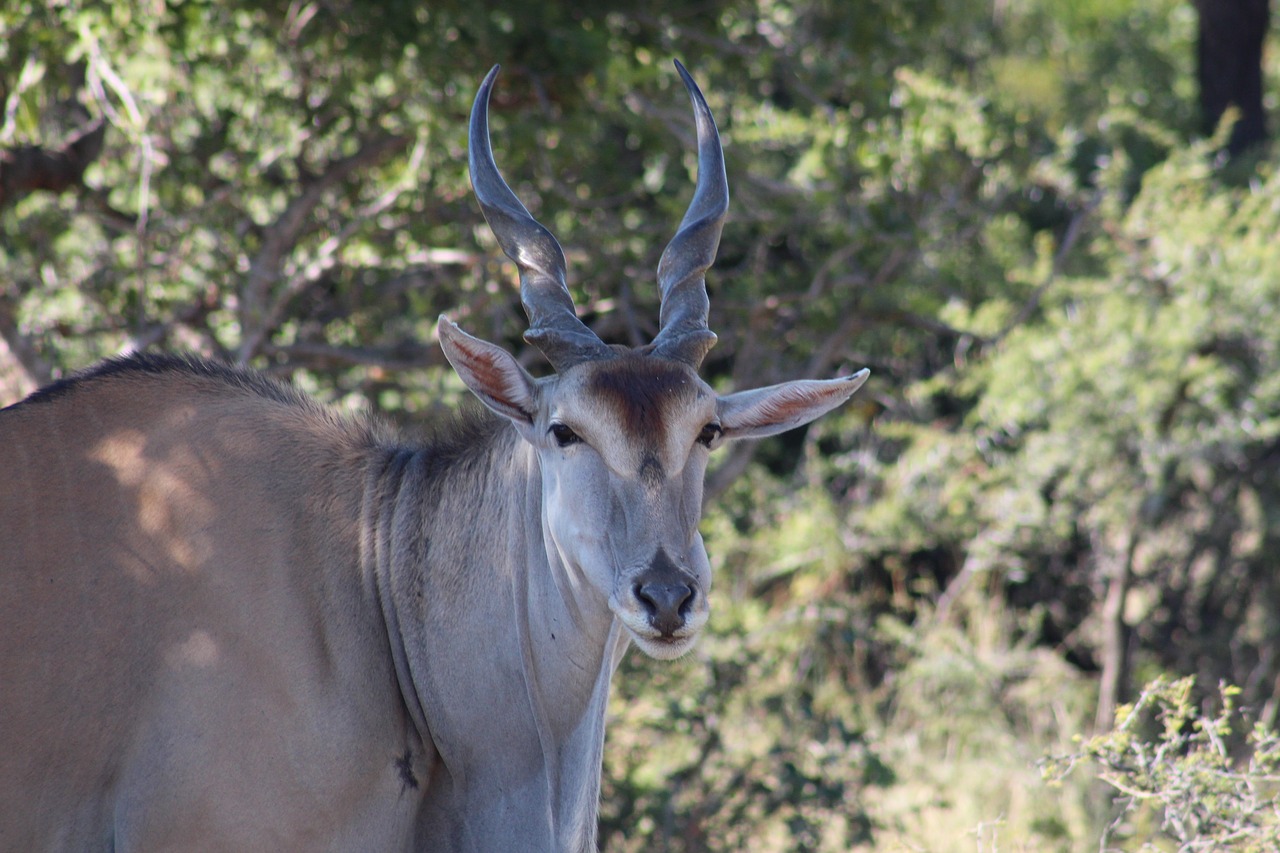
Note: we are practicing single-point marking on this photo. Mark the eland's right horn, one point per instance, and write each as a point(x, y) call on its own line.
point(554, 326)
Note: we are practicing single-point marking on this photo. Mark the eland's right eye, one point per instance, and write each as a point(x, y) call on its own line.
point(563, 435)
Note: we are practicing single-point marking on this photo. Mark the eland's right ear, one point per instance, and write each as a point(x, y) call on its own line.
point(491, 373)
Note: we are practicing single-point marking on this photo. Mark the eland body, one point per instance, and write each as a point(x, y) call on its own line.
point(232, 620)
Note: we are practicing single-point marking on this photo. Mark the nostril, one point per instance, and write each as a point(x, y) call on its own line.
point(687, 604)
point(642, 596)
point(667, 604)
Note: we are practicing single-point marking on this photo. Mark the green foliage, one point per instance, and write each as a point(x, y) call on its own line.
point(1209, 781)
point(1143, 404)
point(968, 713)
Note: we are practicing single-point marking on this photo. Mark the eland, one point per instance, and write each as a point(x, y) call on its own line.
point(233, 620)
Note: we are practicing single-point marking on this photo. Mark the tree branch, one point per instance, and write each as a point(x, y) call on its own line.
point(25, 169)
point(281, 237)
point(403, 356)
point(22, 370)
point(1069, 239)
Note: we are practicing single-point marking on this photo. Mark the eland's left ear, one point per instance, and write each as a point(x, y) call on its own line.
point(778, 408)
point(491, 373)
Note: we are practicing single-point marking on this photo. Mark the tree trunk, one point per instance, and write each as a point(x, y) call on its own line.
point(1229, 59)
point(1115, 640)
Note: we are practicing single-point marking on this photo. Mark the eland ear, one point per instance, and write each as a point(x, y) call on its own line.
point(491, 373)
point(778, 408)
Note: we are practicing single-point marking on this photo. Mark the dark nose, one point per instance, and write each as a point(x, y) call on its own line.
point(667, 604)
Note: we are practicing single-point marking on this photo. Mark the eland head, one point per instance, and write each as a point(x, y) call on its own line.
point(622, 435)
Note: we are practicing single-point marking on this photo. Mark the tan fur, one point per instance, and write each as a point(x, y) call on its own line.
point(183, 625)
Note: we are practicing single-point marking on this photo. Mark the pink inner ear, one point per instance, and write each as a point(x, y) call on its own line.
point(497, 378)
point(487, 368)
point(491, 374)
point(785, 405)
point(792, 404)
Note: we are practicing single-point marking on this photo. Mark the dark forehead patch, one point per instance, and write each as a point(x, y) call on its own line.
point(642, 390)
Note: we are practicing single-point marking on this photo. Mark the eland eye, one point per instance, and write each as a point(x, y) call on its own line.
point(709, 434)
point(563, 435)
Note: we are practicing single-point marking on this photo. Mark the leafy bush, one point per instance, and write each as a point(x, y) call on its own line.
point(1207, 780)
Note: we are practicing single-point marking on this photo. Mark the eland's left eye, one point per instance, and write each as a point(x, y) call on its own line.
point(563, 435)
point(709, 434)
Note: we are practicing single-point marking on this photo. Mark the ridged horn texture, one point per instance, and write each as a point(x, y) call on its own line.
point(554, 328)
point(683, 334)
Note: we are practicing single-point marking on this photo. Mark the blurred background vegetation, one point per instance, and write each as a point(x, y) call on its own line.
point(1059, 486)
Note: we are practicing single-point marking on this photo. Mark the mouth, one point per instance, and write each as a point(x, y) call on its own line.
point(662, 647)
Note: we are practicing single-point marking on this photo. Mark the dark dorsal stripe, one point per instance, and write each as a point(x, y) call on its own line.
point(160, 364)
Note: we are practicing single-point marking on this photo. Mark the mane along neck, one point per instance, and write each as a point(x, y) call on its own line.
point(503, 661)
